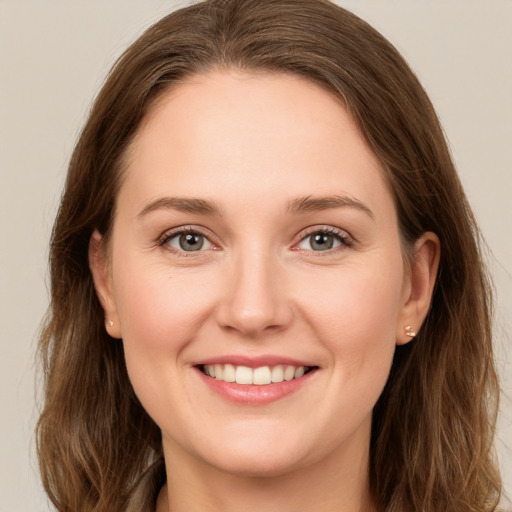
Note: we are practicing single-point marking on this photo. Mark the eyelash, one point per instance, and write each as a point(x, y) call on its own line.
point(345, 240)
point(183, 230)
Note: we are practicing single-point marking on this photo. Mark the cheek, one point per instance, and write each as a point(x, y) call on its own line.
point(354, 312)
point(151, 307)
point(160, 314)
point(354, 301)
point(159, 311)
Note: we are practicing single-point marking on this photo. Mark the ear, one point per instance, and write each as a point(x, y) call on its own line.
point(419, 287)
point(101, 275)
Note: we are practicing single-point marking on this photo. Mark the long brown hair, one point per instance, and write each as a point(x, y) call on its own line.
point(431, 445)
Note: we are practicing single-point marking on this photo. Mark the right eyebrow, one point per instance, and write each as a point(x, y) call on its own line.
point(182, 204)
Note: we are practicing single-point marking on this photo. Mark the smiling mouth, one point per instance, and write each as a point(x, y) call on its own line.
point(260, 376)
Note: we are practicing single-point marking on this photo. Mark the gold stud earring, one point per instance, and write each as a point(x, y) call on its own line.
point(409, 332)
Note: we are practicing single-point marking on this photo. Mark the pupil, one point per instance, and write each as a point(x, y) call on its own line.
point(191, 242)
point(322, 242)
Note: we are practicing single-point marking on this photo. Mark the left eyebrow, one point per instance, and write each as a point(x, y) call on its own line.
point(315, 204)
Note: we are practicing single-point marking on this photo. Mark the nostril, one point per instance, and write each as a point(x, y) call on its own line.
point(254, 322)
point(253, 301)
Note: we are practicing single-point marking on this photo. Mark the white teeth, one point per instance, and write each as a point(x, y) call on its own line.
point(229, 373)
point(289, 372)
point(299, 372)
point(277, 374)
point(260, 376)
point(243, 375)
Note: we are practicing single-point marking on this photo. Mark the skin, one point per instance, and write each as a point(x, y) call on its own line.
point(253, 144)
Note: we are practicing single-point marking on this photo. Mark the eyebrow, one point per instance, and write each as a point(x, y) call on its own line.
point(296, 206)
point(182, 204)
point(314, 204)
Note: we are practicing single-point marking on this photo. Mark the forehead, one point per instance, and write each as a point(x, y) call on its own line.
point(249, 132)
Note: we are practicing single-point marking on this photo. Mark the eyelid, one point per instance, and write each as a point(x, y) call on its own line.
point(180, 230)
point(343, 236)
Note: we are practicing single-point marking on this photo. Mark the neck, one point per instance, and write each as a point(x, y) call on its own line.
point(338, 482)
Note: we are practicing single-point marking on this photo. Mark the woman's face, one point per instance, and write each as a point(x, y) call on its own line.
point(255, 238)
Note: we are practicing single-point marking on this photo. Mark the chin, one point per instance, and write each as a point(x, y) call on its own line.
point(257, 466)
point(261, 456)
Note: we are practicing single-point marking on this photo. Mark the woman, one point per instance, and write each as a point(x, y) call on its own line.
point(267, 289)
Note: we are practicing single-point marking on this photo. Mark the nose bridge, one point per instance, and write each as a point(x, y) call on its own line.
point(255, 299)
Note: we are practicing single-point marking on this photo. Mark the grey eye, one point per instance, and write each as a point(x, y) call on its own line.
point(189, 242)
point(320, 241)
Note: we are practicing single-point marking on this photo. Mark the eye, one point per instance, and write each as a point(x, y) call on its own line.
point(187, 241)
point(324, 240)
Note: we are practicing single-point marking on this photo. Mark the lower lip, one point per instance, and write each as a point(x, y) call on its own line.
point(252, 394)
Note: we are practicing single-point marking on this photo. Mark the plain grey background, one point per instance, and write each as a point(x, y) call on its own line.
point(53, 58)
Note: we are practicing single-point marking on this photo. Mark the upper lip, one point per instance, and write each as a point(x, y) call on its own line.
point(253, 362)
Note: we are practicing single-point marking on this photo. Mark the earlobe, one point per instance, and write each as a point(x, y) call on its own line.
point(98, 265)
point(423, 272)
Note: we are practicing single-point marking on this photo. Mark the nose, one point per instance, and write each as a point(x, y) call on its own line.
point(255, 301)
